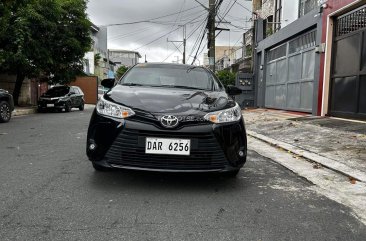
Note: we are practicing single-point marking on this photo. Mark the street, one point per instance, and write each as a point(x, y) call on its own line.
point(50, 191)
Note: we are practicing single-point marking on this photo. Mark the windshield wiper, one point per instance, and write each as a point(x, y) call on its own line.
point(132, 84)
point(181, 87)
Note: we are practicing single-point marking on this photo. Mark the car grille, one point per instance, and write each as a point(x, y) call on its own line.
point(129, 150)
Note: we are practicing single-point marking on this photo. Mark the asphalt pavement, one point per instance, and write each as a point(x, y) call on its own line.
point(49, 191)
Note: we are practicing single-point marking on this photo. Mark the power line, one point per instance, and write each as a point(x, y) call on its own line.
point(164, 35)
point(148, 20)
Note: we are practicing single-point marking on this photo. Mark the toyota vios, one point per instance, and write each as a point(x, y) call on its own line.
point(170, 118)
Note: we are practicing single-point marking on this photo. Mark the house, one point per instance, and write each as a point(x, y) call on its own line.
point(312, 62)
point(96, 61)
point(124, 57)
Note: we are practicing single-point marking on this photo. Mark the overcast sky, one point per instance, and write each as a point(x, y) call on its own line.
point(150, 38)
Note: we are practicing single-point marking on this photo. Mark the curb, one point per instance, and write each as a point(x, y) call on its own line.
point(20, 112)
point(324, 161)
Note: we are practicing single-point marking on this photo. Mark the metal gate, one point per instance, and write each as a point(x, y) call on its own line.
point(348, 82)
point(290, 74)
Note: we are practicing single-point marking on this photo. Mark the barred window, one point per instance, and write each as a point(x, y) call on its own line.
point(276, 53)
point(304, 41)
point(351, 22)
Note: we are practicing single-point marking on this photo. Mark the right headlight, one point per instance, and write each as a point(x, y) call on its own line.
point(225, 116)
point(107, 108)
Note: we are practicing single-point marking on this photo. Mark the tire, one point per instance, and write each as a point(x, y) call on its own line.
point(40, 110)
point(5, 112)
point(67, 107)
point(99, 168)
point(232, 174)
point(81, 107)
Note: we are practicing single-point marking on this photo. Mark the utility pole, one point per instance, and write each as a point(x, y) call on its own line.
point(211, 34)
point(184, 43)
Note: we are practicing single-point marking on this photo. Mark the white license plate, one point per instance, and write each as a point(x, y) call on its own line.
point(50, 105)
point(167, 146)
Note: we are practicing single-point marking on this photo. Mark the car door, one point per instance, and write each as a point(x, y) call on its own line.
point(73, 97)
point(80, 96)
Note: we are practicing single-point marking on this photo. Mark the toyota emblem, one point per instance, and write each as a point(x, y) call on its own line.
point(169, 121)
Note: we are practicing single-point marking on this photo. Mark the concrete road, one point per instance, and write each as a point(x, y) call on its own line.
point(49, 191)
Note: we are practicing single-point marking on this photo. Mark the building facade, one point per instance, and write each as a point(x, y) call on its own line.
point(342, 83)
point(96, 61)
point(287, 57)
point(314, 64)
point(124, 57)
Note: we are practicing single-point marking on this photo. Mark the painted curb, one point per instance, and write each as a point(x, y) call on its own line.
point(324, 161)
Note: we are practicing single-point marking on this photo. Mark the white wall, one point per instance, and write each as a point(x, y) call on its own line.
point(290, 12)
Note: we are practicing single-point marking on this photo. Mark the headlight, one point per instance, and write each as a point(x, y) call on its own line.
point(225, 116)
point(107, 108)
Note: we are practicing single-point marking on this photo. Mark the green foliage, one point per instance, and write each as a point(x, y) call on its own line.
point(43, 38)
point(97, 58)
point(121, 71)
point(226, 77)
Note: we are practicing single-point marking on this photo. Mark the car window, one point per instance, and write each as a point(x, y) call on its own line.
point(58, 91)
point(197, 78)
point(76, 90)
point(80, 91)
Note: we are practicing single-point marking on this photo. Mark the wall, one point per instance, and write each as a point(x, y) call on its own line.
point(290, 12)
point(89, 85)
point(7, 82)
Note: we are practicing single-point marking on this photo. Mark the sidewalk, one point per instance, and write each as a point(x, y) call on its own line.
point(335, 143)
point(18, 111)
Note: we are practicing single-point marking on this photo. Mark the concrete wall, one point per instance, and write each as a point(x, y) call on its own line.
point(7, 82)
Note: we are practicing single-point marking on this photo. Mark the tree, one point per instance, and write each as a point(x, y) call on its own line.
point(226, 77)
point(43, 38)
point(121, 71)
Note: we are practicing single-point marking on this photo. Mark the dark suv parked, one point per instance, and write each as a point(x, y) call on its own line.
point(6, 105)
point(62, 97)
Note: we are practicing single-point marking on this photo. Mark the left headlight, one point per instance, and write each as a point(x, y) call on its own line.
point(225, 116)
point(107, 108)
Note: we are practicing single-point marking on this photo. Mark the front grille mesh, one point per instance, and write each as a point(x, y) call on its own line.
point(129, 150)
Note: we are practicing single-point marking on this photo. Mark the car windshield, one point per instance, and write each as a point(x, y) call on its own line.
point(58, 91)
point(171, 77)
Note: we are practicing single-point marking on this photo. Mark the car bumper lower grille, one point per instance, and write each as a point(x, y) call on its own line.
point(129, 150)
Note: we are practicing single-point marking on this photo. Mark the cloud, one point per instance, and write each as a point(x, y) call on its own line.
point(151, 38)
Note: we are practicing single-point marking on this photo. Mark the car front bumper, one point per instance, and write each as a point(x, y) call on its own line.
point(121, 144)
point(55, 104)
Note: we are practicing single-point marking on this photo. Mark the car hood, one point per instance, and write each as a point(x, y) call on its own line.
point(169, 100)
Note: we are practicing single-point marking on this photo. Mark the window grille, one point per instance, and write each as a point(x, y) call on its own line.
point(276, 53)
point(304, 41)
point(351, 22)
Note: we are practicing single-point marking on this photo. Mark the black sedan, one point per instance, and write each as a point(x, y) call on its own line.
point(62, 97)
point(170, 118)
point(6, 106)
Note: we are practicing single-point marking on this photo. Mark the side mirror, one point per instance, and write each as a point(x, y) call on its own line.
point(108, 83)
point(233, 90)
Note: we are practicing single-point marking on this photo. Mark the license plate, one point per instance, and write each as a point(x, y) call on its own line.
point(167, 146)
point(50, 105)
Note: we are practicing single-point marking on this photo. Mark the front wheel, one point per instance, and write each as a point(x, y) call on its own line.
point(67, 107)
point(81, 107)
point(5, 112)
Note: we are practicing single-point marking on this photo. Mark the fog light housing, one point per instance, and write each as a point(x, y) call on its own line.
point(92, 147)
point(241, 153)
